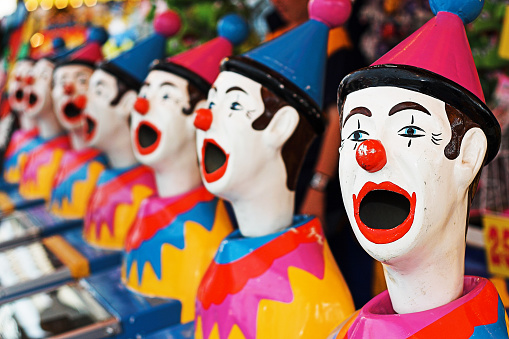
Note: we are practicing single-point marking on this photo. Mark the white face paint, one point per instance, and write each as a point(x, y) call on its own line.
point(417, 172)
point(70, 85)
point(17, 82)
point(104, 122)
point(39, 94)
point(160, 133)
point(231, 152)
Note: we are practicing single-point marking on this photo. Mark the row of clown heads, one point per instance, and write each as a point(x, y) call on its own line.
point(208, 128)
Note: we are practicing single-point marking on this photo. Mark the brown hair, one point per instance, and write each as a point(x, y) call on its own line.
point(195, 96)
point(296, 147)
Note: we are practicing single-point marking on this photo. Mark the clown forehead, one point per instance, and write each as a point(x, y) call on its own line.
point(388, 101)
point(43, 65)
point(22, 67)
point(73, 71)
point(157, 79)
point(228, 81)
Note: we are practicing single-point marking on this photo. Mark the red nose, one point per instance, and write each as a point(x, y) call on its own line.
point(81, 102)
point(142, 106)
point(371, 155)
point(18, 78)
point(203, 119)
point(69, 89)
point(29, 80)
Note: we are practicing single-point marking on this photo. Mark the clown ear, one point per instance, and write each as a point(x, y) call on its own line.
point(126, 104)
point(281, 127)
point(472, 152)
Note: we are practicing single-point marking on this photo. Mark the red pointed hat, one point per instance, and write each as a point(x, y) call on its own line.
point(437, 61)
point(200, 65)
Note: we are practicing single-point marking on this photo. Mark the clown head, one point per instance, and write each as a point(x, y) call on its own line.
point(409, 161)
point(109, 101)
point(250, 138)
point(18, 80)
point(39, 92)
point(162, 119)
point(70, 84)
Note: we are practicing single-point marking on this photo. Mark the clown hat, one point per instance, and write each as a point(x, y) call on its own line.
point(437, 61)
point(90, 54)
point(293, 65)
point(132, 66)
point(200, 65)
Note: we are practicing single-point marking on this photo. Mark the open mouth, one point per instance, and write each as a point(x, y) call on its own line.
point(32, 99)
point(72, 112)
point(384, 212)
point(90, 125)
point(214, 160)
point(19, 95)
point(148, 137)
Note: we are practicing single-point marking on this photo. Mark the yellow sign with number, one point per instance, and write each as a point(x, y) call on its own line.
point(496, 236)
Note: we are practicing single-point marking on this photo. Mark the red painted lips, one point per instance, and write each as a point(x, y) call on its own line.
point(384, 212)
point(148, 138)
point(214, 160)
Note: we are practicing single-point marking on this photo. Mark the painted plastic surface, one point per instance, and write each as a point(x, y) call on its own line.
point(478, 313)
point(258, 287)
point(15, 159)
point(41, 167)
point(447, 52)
point(11, 200)
point(75, 181)
point(171, 244)
point(114, 205)
point(138, 316)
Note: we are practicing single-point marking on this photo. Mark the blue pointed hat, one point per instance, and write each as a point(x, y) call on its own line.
point(293, 65)
point(132, 66)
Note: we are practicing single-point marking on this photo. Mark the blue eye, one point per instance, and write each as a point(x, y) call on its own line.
point(358, 135)
point(166, 97)
point(411, 132)
point(236, 106)
point(212, 104)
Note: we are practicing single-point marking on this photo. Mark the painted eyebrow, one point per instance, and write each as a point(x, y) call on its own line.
point(235, 88)
point(408, 105)
point(358, 110)
point(145, 83)
point(100, 83)
point(167, 84)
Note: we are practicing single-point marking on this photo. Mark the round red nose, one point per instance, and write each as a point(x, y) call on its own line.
point(203, 119)
point(69, 89)
point(81, 102)
point(142, 106)
point(371, 156)
point(30, 80)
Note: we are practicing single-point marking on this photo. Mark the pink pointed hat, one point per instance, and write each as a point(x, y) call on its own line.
point(200, 65)
point(437, 61)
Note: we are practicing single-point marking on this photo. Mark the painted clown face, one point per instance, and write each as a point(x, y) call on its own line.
point(161, 122)
point(18, 81)
point(399, 188)
point(40, 91)
point(104, 117)
point(232, 153)
point(69, 94)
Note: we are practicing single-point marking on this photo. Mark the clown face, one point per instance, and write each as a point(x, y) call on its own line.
point(19, 79)
point(103, 117)
point(39, 93)
point(159, 127)
point(233, 155)
point(399, 188)
point(69, 94)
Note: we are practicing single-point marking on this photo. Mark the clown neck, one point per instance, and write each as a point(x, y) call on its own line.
point(118, 150)
point(179, 175)
point(76, 135)
point(268, 206)
point(48, 125)
point(26, 123)
point(431, 276)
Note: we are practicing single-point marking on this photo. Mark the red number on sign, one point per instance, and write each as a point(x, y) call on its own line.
point(495, 256)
